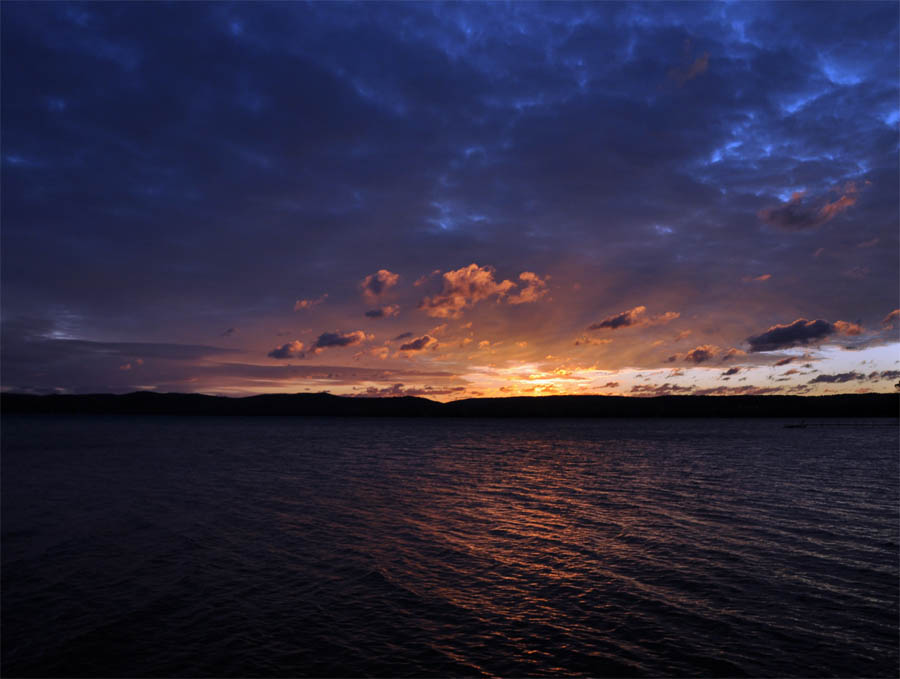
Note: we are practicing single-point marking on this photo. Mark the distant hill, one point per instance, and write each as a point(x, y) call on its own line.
point(151, 403)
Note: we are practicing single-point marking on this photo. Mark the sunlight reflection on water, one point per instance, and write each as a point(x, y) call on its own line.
point(207, 546)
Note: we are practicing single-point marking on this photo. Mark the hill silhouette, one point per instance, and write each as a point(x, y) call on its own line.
point(323, 404)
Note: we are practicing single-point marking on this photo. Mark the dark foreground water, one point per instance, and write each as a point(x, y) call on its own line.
point(137, 546)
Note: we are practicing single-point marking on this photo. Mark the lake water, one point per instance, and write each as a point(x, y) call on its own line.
point(142, 546)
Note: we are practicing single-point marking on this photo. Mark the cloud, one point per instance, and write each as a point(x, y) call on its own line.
point(868, 243)
point(420, 343)
point(747, 390)
point(301, 304)
point(888, 321)
point(129, 366)
point(326, 340)
point(702, 353)
point(291, 373)
point(422, 280)
point(785, 361)
point(620, 320)
point(838, 378)
point(801, 214)
point(534, 289)
point(338, 339)
point(751, 279)
point(402, 336)
point(174, 352)
point(856, 273)
point(609, 385)
point(289, 350)
point(379, 353)
point(794, 334)
point(384, 312)
point(733, 353)
point(584, 339)
point(663, 318)
point(463, 288)
point(376, 284)
point(885, 375)
point(684, 73)
point(229, 332)
point(399, 389)
point(631, 317)
point(845, 328)
point(731, 371)
point(660, 389)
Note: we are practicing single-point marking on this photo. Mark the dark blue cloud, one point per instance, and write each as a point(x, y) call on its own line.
point(196, 166)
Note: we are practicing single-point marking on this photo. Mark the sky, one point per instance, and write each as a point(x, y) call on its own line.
point(450, 200)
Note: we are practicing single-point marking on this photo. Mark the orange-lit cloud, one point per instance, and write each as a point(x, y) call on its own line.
point(793, 334)
point(399, 389)
point(302, 304)
point(733, 352)
point(463, 288)
point(338, 339)
point(635, 316)
point(376, 284)
point(702, 353)
point(620, 320)
point(419, 344)
point(800, 214)
point(846, 328)
point(584, 339)
point(534, 289)
point(763, 277)
point(384, 312)
point(289, 350)
point(888, 321)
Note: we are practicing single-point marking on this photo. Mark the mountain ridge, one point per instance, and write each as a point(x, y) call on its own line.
point(325, 404)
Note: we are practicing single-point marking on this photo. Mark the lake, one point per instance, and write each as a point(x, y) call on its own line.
point(167, 546)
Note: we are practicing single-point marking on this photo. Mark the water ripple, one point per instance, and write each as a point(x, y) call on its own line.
point(316, 547)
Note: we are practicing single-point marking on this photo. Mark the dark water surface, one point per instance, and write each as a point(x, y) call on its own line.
point(136, 546)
